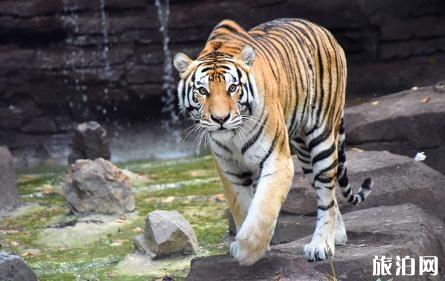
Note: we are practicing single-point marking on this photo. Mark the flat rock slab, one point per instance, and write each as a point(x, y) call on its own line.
point(403, 123)
point(9, 198)
point(79, 231)
point(137, 264)
point(397, 180)
point(403, 230)
point(13, 268)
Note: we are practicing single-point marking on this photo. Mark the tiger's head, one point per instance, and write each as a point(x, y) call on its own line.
point(217, 89)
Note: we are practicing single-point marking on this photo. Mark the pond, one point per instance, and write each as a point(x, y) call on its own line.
point(61, 246)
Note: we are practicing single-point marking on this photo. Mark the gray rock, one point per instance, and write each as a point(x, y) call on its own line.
point(13, 268)
point(141, 246)
point(9, 198)
point(89, 142)
point(402, 230)
point(289, 227)
point(403, 123)
point(168, 233)
point(98, 186)
point(397, 180)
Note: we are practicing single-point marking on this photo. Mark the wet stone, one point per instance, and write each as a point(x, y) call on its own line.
point(9, 197)
point(13, 268)
point(89, 142)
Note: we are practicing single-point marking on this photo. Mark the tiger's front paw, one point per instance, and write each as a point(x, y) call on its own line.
point(319, 250)
point(245, 255)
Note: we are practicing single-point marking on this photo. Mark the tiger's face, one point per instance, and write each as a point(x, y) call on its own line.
point(216, 91)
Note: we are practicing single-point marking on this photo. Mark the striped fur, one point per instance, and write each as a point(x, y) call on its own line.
point(260, 96)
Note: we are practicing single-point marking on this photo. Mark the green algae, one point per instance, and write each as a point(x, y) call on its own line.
point(189, 186)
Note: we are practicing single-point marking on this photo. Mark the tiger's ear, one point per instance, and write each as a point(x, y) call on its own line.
point(247, 55)
point(181, 62)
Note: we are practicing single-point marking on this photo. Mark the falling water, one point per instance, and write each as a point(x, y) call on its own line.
point(75, 58)
point(168, 86)
point(106, 41)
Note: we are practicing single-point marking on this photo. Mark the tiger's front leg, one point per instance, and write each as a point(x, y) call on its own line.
point(253, 238)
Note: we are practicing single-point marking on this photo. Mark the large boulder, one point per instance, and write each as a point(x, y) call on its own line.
point(13, 268)
point(9, 198)
point(403, 123)
point(397, 179)
point(391, 231)
point(89, 142)
point(98, 186)
point(166, 233)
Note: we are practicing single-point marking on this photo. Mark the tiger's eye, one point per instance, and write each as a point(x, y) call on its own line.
point(202, 91)
point(232, 88)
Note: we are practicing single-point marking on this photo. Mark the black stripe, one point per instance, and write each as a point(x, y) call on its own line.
point(253, 139)
point(324, 154)
point(270, 150)
point(240, 176)
point(316, 141)
point(324, 208)
point(306, 171)
point(333, 165)
point(347, 192)
point(222, 146)
point(343, 181)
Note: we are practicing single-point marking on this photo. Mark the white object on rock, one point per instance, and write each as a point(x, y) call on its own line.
point(420, 156)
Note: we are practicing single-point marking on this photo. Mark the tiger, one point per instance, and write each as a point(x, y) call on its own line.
point(261, 96)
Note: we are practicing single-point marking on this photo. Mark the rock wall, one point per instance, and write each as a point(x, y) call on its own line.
point(65, 61)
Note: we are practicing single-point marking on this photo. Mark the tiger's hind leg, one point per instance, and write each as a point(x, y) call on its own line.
point(299, 147)
point(340, 232)
point(323, 149)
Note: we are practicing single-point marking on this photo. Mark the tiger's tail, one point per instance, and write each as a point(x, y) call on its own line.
point(342, 174)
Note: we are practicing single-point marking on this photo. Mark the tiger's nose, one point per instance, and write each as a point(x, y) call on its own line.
point(220, 118)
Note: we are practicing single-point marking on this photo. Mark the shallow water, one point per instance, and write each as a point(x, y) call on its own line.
point(59, 246)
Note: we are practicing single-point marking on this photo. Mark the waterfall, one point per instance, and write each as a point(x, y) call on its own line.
point(168, 98)
point(106, 41)
point(75, 57)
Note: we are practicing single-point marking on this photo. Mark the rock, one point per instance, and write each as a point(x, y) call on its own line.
point(146, 268)
point(167, 233)
point(89, 142)
point(379, 231)
point(397, 180)
point(141, 246)
point(404, 123)
point(78, 231)
point(98, 186)
point(9, 198)
point(13, 268)
point(289, 227)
